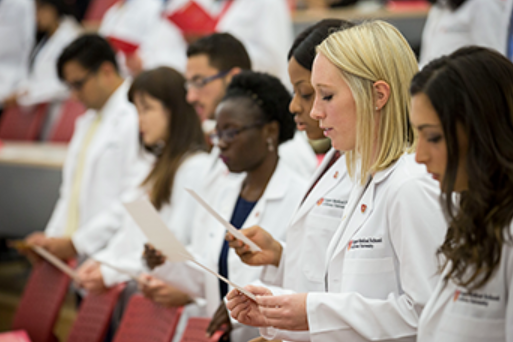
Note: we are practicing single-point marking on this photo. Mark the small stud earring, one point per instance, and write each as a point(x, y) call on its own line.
point(376, 108)
point(270, 145)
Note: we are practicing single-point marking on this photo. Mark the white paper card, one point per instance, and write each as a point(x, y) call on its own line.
point(150, 223)
point(156, 231)
point(234, 231)
point(52, 259)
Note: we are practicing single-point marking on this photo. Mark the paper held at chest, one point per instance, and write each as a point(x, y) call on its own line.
point(157, 233)
point(234, 231)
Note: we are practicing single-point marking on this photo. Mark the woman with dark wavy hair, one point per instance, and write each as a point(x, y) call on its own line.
point(462, 108)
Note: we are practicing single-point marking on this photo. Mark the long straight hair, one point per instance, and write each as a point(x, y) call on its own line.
point(184, 136)
point(473, 88)
point(364, 54)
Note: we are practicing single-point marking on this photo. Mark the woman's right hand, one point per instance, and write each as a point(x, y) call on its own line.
point(152, 256)
point(244, 309)
point(271, 249)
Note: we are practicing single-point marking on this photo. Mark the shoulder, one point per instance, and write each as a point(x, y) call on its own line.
point(410, 182)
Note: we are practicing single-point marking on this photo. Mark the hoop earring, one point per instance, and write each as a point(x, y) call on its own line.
point(270, 145)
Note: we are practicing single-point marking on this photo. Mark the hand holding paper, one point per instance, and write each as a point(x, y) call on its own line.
point(234, 231)
point(164, 240)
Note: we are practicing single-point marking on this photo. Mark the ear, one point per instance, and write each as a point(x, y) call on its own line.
point(381, 94)
point(272, 130)
point(233, 71)
point(107, 69)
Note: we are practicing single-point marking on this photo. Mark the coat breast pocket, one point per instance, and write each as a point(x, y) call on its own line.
point(458, 328)
point(371, 277)
point(319, 231)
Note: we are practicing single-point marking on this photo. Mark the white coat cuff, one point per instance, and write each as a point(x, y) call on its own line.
point(274, 275)
point(320, 313)
point(111, 277)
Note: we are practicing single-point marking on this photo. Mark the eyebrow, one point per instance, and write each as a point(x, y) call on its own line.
point(421, 127)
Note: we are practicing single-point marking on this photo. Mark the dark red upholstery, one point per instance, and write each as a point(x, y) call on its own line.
point(94, 316)
point(22, 123)
point(196, 329)
point(41, 302)
point(144, 320)
point(63, 129)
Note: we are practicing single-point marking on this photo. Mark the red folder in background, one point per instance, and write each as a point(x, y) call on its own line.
point(124, 46)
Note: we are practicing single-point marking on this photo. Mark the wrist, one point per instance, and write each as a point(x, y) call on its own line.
point(278, 250)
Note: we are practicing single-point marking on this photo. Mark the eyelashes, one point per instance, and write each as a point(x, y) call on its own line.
point(327, 98)
point(435, 139)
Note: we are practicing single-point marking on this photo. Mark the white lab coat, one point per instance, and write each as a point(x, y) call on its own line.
point(17, 34)
point(380, 266)
point(299, 155)
point(476, 22)
point(131, 21)
point(126, 247)
point(309, 233)
point(454, 315)
point(263, 26)
point(43, 83)
point(272, 212)
point(114, 166)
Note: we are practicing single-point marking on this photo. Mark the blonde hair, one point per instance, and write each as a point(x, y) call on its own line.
point(367, 53)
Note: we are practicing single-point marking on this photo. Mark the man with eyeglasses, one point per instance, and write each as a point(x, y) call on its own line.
point(212, 61)
point(104, 161)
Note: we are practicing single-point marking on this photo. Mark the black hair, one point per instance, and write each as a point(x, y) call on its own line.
point(90, 51)
point(269, 94)
point(453, 4)
point(473, 89)
point(303, 48)
point(62, 7)
point(223, 50)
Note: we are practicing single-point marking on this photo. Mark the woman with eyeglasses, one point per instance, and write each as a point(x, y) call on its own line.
point(252, 120)
point(380, 265)
point(462, 108)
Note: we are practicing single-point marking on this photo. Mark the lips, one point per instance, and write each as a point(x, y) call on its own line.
point(326, 131)
point(224, 158)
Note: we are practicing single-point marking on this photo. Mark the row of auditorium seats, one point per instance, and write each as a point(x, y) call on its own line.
point(26, 123)
point(143, 320)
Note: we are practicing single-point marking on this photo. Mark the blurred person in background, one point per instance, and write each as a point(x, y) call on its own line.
point(104, 161)
point(452, 24)
point(127, 24)
point(17, 19)
point(263, 26)
point(58, 28)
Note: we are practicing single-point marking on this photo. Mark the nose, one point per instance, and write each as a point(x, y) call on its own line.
point(421, 154)
point(294, 106)
point(317, 113)
point(192, 95)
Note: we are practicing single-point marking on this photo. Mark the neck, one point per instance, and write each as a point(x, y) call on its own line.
point(256, 180)
point(113, 86)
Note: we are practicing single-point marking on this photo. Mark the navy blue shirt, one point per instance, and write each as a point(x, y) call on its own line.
point(239, 216)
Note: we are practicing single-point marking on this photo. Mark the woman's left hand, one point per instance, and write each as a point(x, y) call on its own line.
point(287, 312)
point(161, 292)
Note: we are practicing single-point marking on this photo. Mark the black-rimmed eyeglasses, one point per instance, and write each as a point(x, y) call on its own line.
point(229, 135)
point(200, 82)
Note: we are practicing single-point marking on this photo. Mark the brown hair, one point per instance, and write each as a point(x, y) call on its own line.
point(473, 87)
point(185, 134)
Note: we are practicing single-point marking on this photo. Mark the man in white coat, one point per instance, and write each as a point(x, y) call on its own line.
point(17, 19)
point(104, 161)
point(212, 61)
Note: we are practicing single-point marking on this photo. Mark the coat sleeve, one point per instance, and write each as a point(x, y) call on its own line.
point(416, 227)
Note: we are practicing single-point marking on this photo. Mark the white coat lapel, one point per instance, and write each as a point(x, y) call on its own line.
point(352, 203)
point(323, 186)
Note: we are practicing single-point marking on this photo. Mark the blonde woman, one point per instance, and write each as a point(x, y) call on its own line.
point(380, 266)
